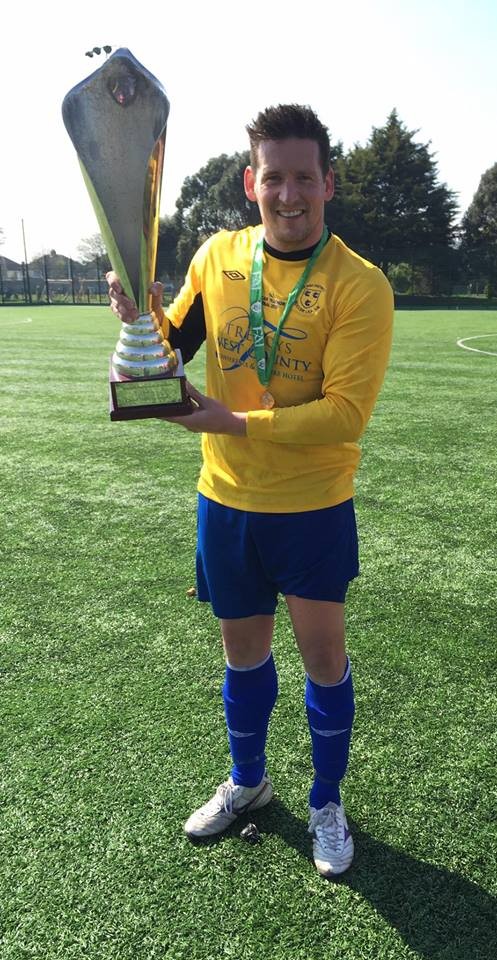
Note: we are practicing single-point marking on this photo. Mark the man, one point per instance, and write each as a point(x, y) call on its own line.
point(297, 330)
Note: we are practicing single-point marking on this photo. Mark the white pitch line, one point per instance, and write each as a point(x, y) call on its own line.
point(481, 336)
point(5, 323)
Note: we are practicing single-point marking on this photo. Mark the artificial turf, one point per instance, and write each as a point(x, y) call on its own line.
point(110, 675)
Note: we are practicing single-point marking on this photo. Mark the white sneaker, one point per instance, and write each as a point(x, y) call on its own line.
point(333, 846)
point(228, 802)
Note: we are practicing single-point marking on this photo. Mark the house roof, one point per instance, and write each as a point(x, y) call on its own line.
point(10, 264)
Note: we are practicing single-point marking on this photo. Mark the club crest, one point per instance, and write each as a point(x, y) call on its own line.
point(309, 300)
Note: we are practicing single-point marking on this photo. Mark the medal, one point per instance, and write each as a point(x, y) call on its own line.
point(267, 400)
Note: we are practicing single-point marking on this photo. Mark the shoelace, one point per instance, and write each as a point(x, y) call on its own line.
point(224, 796)
point(228, 797)
point(327, 823)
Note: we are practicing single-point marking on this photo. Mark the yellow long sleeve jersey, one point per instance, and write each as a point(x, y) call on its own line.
point(329, 367)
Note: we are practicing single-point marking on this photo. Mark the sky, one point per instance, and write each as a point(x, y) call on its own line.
point(220, 63)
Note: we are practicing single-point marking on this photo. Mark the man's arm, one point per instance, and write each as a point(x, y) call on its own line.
point(210, 416)
point(354, 364)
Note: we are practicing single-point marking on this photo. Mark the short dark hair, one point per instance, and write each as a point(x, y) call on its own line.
point(289, 120)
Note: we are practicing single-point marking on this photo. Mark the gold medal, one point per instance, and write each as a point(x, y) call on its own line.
point(267, 400)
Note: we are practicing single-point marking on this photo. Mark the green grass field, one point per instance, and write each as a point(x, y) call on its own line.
point(110, 704)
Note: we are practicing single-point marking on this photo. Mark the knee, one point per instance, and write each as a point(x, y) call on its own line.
point(246, 654)
point(326, 666)
point(247, 642)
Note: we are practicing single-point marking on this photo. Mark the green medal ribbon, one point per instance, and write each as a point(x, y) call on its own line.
point(264, 365)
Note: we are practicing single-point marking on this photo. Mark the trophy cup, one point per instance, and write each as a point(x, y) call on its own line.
point(116, 119)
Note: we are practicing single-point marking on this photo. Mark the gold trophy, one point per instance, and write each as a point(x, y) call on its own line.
point(117, 119)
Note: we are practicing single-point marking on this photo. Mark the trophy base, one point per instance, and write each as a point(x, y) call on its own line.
point(149, 397)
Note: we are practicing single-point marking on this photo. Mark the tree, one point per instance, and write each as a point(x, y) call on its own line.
point(338, 212)
point(388, 205)
point(57, 265)
point(92, 247)
point(167, 250)
point(401, 277)
point(210, 200)
point(394, 209)
point(479, 232)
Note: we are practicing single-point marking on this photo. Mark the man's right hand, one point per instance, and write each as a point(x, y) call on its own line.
point(124, 308)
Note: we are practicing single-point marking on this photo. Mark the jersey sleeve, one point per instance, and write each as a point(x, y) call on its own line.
point(354, 365)
point(184, 320)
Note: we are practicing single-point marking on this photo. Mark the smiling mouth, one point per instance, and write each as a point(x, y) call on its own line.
point(289, 214)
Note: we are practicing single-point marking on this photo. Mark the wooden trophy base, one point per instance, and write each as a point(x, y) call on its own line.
point(149, 397)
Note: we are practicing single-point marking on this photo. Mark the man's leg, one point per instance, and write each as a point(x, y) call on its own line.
point(249, 692)
point(247, 641)
point(320, 633)
point(319, 627)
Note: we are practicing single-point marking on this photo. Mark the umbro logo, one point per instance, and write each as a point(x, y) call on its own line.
point(234, 275)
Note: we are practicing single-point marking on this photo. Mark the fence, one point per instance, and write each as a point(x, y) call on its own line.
point(73, 282)
point(58, 279)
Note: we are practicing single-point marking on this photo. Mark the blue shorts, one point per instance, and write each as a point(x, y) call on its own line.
point(245, 559)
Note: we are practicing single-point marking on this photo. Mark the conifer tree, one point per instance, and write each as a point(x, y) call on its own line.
point(394, 208)
point(479, 232)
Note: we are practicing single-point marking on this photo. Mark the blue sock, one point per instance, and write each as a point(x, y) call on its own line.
point(330, 712)
point(249, 696)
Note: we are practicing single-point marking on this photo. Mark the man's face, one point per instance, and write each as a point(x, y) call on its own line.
point(290, 189)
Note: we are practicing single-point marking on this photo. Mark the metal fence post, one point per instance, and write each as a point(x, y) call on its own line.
point(97, 261)
point(71, 271)
point(47, 288)
point(25, 282)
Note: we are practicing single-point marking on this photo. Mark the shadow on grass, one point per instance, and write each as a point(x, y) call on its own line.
point(437, 913)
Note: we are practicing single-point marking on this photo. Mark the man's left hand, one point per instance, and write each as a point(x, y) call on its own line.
point(210, 416)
